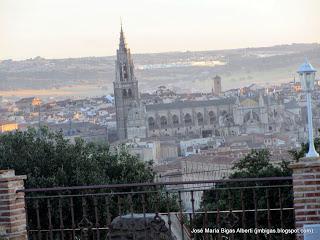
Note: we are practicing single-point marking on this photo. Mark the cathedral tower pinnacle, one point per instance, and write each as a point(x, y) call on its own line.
point(126, 91)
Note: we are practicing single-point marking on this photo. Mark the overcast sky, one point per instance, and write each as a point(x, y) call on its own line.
point(75, 28)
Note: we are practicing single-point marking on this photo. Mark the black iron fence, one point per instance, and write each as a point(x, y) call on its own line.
point(257, 208)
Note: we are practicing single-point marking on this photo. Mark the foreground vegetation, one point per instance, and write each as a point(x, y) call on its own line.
point(48, 160)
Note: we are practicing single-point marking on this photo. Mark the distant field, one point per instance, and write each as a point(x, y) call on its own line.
point(182, 71)
point(64, 92)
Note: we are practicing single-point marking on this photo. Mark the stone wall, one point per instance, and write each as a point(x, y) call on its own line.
point(12, 206)
point(306, 188)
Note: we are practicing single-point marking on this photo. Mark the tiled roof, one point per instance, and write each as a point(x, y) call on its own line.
point(190, 104)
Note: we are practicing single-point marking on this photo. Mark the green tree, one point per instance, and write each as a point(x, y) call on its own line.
point(258, 164)
point(296, 154)
point(50, 160)
point(250, 195)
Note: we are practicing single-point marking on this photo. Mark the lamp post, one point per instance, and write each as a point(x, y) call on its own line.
point(307, 76)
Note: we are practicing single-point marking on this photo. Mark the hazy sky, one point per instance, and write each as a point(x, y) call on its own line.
point(73, 28)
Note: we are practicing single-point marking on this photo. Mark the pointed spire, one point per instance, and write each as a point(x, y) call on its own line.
point(122, 43)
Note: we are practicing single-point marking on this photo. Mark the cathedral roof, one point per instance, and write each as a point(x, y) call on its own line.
point(190, 104)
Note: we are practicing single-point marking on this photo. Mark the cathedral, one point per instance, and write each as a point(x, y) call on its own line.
point(223, 116)
point(126, 90)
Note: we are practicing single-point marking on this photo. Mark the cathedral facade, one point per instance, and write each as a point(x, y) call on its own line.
point(223, 116)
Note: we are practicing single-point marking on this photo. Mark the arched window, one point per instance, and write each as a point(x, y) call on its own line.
point(212, 117)
point(124, 70)
point(200, 118)
point(163, 121)
point(124, 93)
point(187, 119)
point(228, 119)
point(151, 122)
point(129, 93)
point(175, 120)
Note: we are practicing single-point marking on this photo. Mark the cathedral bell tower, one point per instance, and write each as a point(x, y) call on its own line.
point(125, 87)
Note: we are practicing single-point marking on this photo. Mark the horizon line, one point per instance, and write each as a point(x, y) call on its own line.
point(161, 52)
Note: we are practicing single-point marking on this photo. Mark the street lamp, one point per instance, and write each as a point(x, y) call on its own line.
point(307, 76)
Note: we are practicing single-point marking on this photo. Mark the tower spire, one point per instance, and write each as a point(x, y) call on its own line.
point(126, 92)
point(122, 43)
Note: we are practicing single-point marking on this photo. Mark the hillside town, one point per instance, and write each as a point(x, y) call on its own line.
point(175, 129)
point(210, 130)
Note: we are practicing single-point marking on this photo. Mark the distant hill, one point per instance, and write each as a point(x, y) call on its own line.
point(179, 70)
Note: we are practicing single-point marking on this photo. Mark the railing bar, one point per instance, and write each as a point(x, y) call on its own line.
point(181, 215)
point(281, 212)
point(143, 201)
point(230, 198)
point(38, 219)
point(255, 212)
point(154, 184)
point(73, 225)
point(108, 215)
point(27, 216)
point(119, 207)
point(49, 218)
point(243, 214)
point(192, 216)
point(66, 229)
point(157, 201)
point(218, 217)
point(95, 203)
point(205, 224)
point(200, 189)
point(61, 218)
point(132, 229)
point(168, 213)
point(269, 212)
point(84, 227)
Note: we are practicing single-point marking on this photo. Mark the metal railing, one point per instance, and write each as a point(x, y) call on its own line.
point(216, 209)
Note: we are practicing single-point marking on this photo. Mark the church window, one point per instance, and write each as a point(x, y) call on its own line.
point(187, 119)
point(163, 121)
point(151, 122)
point(124, 70)
point(229, 118)
point(212, 117)
point(200, 118)
point(129, 93)
point(175, 120)
point(124, 93)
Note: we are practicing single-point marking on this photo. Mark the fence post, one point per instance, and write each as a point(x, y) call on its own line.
point(12, 206)
point(306, 192)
